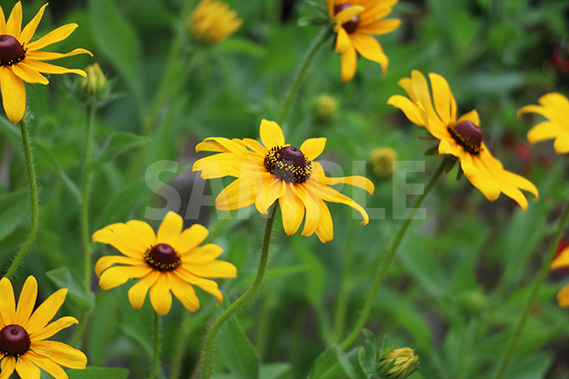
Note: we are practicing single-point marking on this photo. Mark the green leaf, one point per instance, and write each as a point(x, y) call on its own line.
point(92, 372)
point(13, 210)
point(241, 45)
point(238, 351)
point(275, 370)
point(66, 277)
point(333, 363)
point(315, 276)
point(116, 38)
point(118, 143)
point(122, 204)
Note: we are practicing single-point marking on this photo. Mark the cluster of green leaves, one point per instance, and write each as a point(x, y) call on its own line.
point(460, 278)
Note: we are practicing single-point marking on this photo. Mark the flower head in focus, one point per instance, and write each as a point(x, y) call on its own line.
point(170, 260)
point(460, 137)
point(398, 363)
point(355, 21)
point(554, 107)
point(21, 61)
point(277, 171)
point(23, 334)
point(212, 21)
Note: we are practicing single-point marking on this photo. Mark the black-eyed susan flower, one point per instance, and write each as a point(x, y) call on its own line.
point(170, 260)
point(461, 138)
point(355, 21)
point(212, 21)
point(274, 171)
point(21, 61)
point(24, 332)
point(555, 107)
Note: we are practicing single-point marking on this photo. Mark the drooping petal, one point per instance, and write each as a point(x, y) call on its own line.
point(412, 112)
point(48, 56)
point(170, 228)
point(190, 238)
point(61, 354)
point(8, 303)
point(138, 291)
point(313, 147)
point(118, 275)
point(160, 296)
point(27, 74)
point(238, 194)
point(208, 286)
point(31, 27)
point(14, 24)
point(380, 27)
point(53, 328)
point(13, 94)
point(26, 368)
point(269, 194)
point(185, 293)
point(105, 262)
point(330, 194)
point(45, 312)
point(47, 365)
point(54, 36)
point(48, 68)
point(27, 301)
point(292, 209)
point(343, 41)
point(369, 48)
point(271, 134)
point(325, 230)
point(349, 61)
point(356, 181)
point(215, 269)
point(312, 209)
point(544, 131)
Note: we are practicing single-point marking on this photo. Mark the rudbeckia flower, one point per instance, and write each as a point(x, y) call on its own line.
point(277, 171)
point(554, 107)
point(355, 21)
point(170, 260)
point(23, 334)
point(21, 61)
point(562, 261)
point(461, 138)
point(212, 21)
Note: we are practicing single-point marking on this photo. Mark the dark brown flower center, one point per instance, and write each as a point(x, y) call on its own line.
point(162, 257)
point(289, 164)
point(467, 135)
point(14, 340)
point(11, 50)
point(352, 24)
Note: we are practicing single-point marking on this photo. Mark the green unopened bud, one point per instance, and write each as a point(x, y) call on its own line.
point(472, 302)
point(325, 108)
point(398, 363)
point(94, 87)
point(382, 162)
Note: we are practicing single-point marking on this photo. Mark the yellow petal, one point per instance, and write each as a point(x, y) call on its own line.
point(411, 111)
point(105, 262)
point(160, 296)
point(272, 191)
point(271, 134)
point(379, 27)
point(46, 364)
point(14, 24)
point(562, 260)
point(348, 13)
point(471, 116)
point(238, 194)
point(26, 368)
point(561, 144)
point(190, 238)
point(185, 293)
point(208, 286)
point(31, 27)
point(325, 230)
point(370, 49)
point(54, 36)
point(118, 275)
point(342, 41)
point(7, 366)
point(53, 328)
point(61, 354)
point(28, 74)
point(131, 239)
point(292, 209)
point(45, 312)
point(27, 301)
point(349, 64)
point(330, 194)
point(2, 22)
point(13, 94)
point(215, 269)
point(445, 104)
point(563, 297)
point(48, 68)
point(312, 209)
point(356, 181)
point(202, 254)
point(137, 292)
point(170, 228)
point(544, 131)
point(48, 56)
point(313, 147)
point(8, 303)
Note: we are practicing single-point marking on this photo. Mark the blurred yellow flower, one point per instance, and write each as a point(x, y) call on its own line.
point(23, 334)
point(170, 260)
point(562, 261)
point(20, 60)
point(382, 162)
point(212, 21)
point(278, 171)
point(461, 138)
point(554, 107)
point(354, 22)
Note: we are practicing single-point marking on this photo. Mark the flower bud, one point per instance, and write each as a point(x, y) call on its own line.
point(398, 363)
point(472, 303)
point(325, 108)
point(212, 22)
point(94, 87)
point(382, 162)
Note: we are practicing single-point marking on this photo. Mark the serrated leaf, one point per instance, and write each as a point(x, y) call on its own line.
point(91, 372)
point(238, 351)
point(118, 143)
point(66, 277)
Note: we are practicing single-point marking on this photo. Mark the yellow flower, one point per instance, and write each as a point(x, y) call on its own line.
point(354, 21)
point(213, 21)
point(562, 261)
point(461, 138)
point(23, 333)
point(278, 171)
point(382, 162)
point(554, 107)
point(398, 363)
point(20, 60)
point(170, 260)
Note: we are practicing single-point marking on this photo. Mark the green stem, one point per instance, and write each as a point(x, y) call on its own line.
point(537, 285)
point(87, 177)
point(33, 198)
point(391, 253)
point(180, 347)
point(156, 352)
point(242, 300)
point(303, 67)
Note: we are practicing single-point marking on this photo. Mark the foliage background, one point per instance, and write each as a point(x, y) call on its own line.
point(461, 276)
